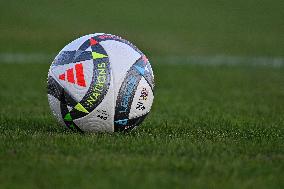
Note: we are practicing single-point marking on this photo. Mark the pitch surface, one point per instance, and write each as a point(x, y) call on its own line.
point(219, 126)
point(211, 126)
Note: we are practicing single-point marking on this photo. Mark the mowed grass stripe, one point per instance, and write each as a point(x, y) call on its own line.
point(47, 58)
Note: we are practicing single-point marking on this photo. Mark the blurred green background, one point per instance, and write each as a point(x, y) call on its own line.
point(159, 28)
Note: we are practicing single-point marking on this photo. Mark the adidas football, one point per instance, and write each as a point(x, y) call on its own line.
point(100, 83)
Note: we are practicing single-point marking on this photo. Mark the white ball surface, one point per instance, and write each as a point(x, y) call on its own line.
point(100, 82)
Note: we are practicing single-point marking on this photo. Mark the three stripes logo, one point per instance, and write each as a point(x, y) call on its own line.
point(69, 76)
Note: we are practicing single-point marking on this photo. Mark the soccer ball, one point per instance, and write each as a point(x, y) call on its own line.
point(100, 83)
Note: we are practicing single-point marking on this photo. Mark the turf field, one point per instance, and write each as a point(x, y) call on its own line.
point(211, 126)
point(215, 123)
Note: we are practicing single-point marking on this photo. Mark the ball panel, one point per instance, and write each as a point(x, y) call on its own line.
point(124, 99)
point(134, 122)
point(54, 103)
point(142, 100)
point(86, 82)
point(107, 37)
point(121, 57)
point(74, 45)
point(102, 118)
point(75, 78)
point(53, 87)
point(101, 75)
point(148, 75)
point(126, 94)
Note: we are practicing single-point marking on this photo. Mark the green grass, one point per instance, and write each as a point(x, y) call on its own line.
point(210, 127)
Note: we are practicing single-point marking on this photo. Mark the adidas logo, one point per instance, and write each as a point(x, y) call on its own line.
point(69, 76)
